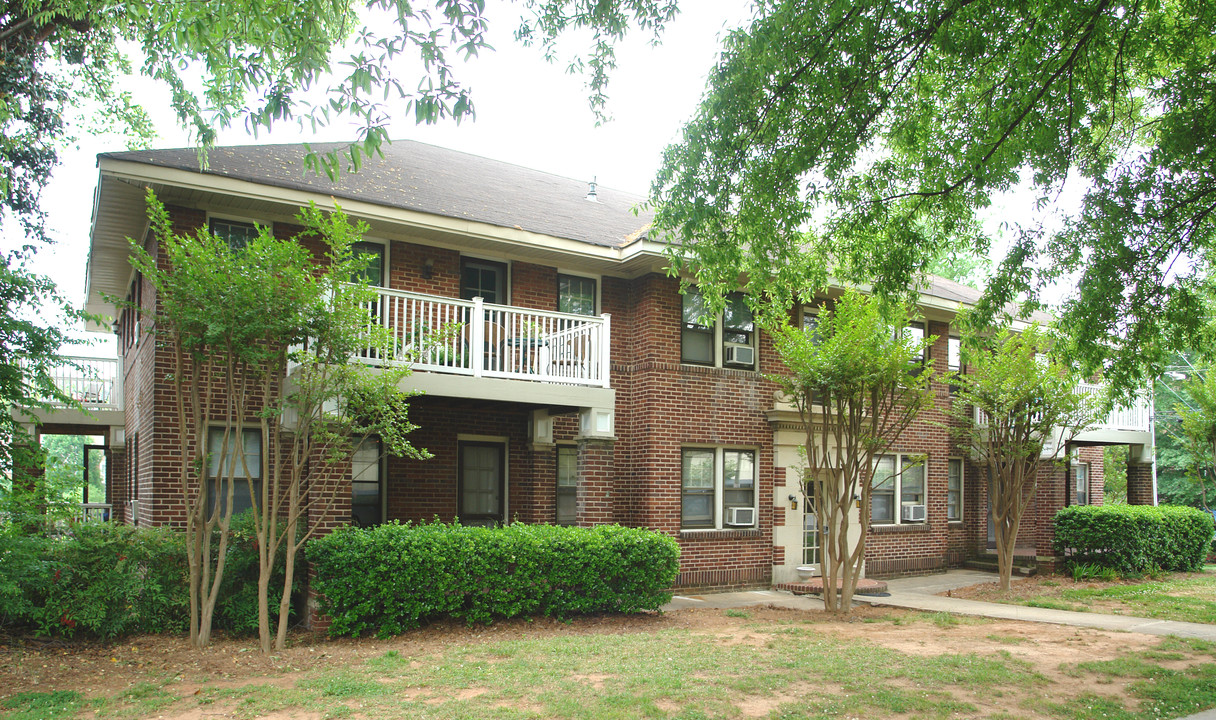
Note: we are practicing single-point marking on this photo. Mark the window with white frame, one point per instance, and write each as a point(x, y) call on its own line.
point(725, 340)
point(236, 233)
point(915, 331)
point(222, 449)
point(897, 494)
point(954, 358)
point(954, 354)
point(717, 488)
point(576, 294)
point(567, 485)
point(374, 254)
point(954, 490)
point(367, 484)
point(1080, 473)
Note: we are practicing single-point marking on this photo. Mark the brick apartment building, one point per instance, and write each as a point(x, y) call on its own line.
point(582, 387)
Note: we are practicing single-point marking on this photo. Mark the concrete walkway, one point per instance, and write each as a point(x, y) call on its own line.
point(921, 593)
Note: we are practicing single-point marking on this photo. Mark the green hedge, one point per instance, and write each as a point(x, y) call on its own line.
point(1134, 538)
point(108, 580)
point(393, 577)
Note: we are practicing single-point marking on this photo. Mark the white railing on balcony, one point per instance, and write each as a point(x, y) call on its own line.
point(96, 383)
point(470, 337)
point(1134, 416)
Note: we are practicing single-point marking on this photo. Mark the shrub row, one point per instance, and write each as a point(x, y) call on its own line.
point(1134, 538)
point(394, 577)
point(108, 580)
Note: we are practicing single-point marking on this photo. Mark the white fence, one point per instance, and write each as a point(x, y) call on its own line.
point(96, 383)
point(470, 337)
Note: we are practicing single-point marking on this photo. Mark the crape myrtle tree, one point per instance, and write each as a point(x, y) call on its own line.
point(234, 318)
point(858, 140)
point(857, 383)
point(1015, 409)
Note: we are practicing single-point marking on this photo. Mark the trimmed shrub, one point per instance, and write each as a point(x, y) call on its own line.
point(1134, 538)
point(393, 577)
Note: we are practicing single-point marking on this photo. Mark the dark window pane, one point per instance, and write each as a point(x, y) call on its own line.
point(236, 234)
point(576, 295)
point(373, 274)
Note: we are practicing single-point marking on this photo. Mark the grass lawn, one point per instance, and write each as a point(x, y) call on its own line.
point(759, 662)
point(1186, 597)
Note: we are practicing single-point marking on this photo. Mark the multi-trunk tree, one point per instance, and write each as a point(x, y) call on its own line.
point(269, 407)
point(1015, 409)
point(858, 381)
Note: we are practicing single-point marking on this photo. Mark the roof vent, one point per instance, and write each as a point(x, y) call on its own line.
point(591, 196)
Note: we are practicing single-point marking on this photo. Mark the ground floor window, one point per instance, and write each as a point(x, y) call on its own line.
point(717, 488)
point(222, 450)
point(367, 484)
point(567, 482)
point(898, 490)
point(1080, 473)
point(954, 490)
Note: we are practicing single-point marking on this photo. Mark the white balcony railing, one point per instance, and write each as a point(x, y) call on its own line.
point(96, 383)
point(1133, 417)
point(470, 337)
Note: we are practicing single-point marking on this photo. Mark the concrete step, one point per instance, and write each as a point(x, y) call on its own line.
point(1022, 567)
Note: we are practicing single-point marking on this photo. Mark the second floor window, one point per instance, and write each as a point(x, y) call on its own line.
point(726, 340)
point(373, 272)
point(237, 234)
point(576, 294)
point(484, 279)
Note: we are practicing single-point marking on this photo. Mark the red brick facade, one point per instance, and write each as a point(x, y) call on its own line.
point(662, 408)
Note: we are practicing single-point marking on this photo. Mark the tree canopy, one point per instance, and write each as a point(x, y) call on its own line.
point(859, 139)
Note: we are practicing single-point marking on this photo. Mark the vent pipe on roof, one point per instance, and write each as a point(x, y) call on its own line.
point(591, 196)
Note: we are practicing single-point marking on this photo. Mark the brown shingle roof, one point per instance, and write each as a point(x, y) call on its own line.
point(430, 179)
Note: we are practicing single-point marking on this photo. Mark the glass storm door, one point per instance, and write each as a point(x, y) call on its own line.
point(481, 484)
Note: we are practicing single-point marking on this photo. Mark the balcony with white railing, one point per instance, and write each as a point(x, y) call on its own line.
point(95, 383)
point(469, 337)
point(1134, 416)
point(1125, 419)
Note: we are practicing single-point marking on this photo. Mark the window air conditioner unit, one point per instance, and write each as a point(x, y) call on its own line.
point(911, 512)
point(742, 516)
point(740, 355)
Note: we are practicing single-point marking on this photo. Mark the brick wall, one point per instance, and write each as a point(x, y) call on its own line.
point(662, 407)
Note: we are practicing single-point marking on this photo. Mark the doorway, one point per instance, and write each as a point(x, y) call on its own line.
point(481, 489)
